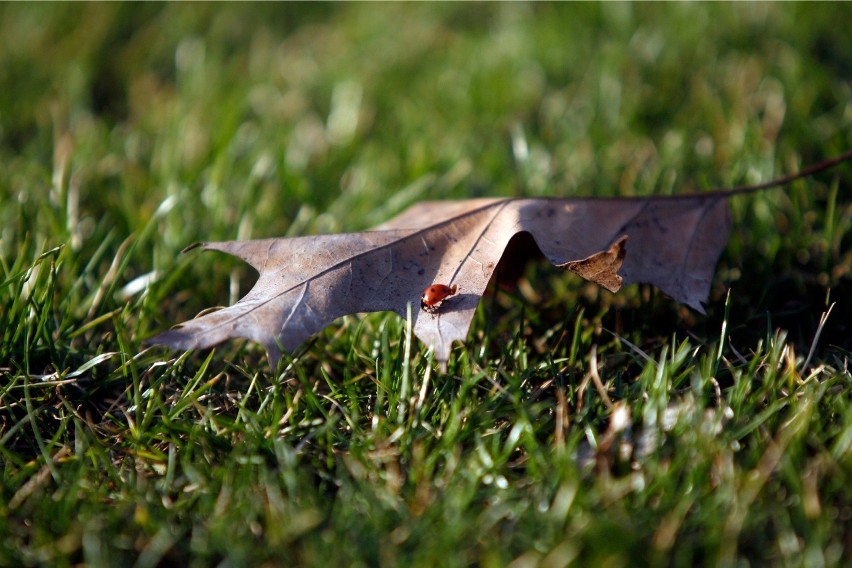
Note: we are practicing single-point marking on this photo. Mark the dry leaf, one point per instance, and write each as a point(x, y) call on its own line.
point(307, 282)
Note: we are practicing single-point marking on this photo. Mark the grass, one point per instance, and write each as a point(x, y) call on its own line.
point(573, 427)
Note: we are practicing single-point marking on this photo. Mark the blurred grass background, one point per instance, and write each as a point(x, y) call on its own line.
point(129, 131)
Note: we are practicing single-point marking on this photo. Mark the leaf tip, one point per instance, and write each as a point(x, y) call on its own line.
point(698, 307)
point(175, 338)
point(602, 267)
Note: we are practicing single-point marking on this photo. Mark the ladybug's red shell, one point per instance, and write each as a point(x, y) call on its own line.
point(434, 296)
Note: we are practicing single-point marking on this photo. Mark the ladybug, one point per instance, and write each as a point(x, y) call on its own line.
point(434, 296)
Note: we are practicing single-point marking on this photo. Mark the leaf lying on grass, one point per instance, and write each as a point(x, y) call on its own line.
point(307, 282)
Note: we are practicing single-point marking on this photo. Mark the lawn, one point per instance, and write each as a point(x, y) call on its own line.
point(573, 427)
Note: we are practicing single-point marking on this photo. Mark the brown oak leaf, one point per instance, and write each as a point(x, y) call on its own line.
point(305, 283)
